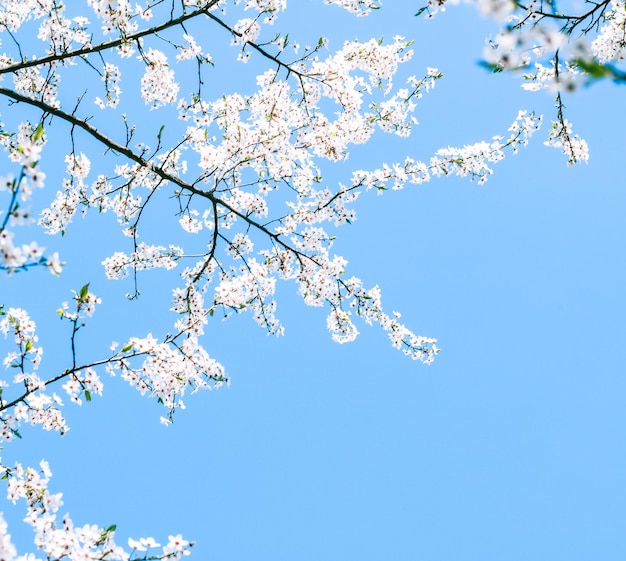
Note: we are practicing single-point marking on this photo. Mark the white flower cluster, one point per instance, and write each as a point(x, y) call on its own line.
point(512, 49)
point(610, 44)
point(144, 257)
point(111, 78)
point(574, 147)
point(118, 16)
point(63, 33)
point(169, 369)
point(26, 152)
point(358, 7)
point(14, 14)
point(34, 405)
point(472, 161)
point(61, 539)
point(556, 50)
point(158, 85)
point(499, 10)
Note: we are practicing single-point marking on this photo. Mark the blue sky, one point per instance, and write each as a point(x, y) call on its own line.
point(509, 447)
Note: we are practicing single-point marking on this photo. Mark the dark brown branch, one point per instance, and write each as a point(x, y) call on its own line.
point(84, 51)
point(158, 170)
point(260, 50)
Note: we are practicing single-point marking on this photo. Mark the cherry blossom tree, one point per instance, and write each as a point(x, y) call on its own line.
point(247, 171)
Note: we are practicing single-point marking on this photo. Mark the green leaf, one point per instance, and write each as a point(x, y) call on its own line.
point(106, 532)
point(594, 68)
point(160, 133)
point(127, 347)
point(38, 133)
point(87, 395)
point(421, 10)
point(82, 295)
point(495, 68)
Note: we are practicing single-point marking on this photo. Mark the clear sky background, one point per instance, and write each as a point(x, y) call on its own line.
point(511, 446)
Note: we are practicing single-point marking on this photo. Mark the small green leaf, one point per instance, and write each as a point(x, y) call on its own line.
point(127, 347)
point(106, 532)
point(495, 68)
point(38, 133)
point(87, 395)
point(421, 10)
point(82, 295)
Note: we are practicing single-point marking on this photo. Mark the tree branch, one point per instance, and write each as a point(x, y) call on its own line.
point(84, 51)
